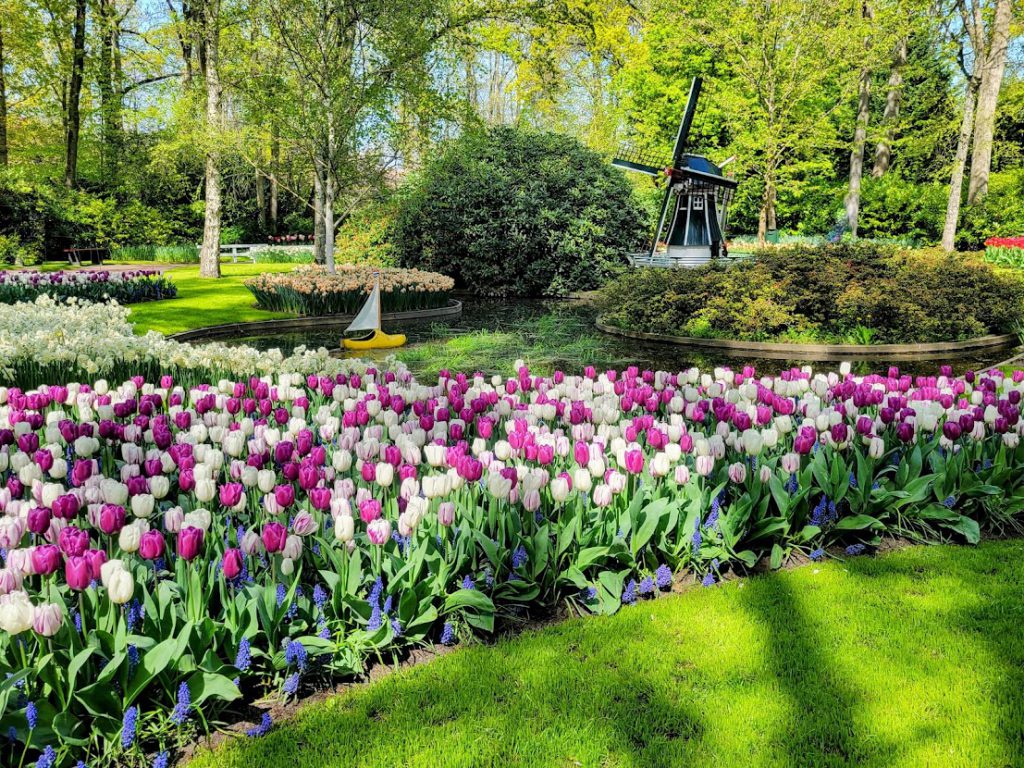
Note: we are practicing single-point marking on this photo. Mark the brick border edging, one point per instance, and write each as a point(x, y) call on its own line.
point(817, 351)
point(291, 324)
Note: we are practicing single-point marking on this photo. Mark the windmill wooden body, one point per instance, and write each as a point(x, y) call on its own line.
point(697, 195)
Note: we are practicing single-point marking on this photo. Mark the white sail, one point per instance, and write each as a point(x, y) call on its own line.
point(368, 318)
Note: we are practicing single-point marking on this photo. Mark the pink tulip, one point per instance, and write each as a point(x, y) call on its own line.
point(274, 537)
point(369, 510)
point(232, 563)
point(111, 519)
point(46, 559)
point(446, 513)
point(151, 545)
point(379, 531)
point(190, 542)
point(48, 619)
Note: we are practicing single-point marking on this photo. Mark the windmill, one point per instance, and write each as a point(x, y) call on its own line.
point(697, 194)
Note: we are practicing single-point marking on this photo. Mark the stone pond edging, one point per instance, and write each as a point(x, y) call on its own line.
point(299, 324)
point(782, 351)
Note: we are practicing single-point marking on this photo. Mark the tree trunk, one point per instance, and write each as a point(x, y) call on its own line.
point(329, 195)
point(74, 117)
point(883, 150)
point(956, 180)
point(993, 66)
point(110, 92)
point(3, 103)
point(275, 162)
point(319, 232)
point(209, 256)
point(261, 202)
point(766, 219)
point(860, 134)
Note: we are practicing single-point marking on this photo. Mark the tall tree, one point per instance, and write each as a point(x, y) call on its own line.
point(3, 101)
point(73, 120)
point(992, 41)
point(210, 19)
point(787, 60)
point(890, 117)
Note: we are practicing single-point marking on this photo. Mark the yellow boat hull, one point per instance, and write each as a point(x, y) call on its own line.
point(379, 340)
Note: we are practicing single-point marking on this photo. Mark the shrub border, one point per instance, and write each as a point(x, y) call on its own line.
point(783, 351)
point(285, 325)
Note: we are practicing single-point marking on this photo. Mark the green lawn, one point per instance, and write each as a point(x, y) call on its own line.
point(203, 302)
point(912, 659)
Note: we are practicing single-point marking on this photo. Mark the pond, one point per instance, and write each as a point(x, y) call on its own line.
point(548, 334)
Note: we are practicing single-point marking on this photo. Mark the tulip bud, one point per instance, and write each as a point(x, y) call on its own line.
point(344, 528)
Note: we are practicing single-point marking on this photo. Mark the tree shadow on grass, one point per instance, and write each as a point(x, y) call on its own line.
point(554, 698)
point(822, 728)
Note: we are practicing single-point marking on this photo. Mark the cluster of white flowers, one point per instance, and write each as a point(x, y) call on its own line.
point(97, 338)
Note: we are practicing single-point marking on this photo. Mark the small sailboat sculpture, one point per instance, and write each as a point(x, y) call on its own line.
point(368, 319)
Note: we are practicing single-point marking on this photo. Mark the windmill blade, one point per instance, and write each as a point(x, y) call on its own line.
point(632, 159)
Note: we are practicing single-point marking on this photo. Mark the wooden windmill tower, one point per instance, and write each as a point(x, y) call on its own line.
point(693, 214)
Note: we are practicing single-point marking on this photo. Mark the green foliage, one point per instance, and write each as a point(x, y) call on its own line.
point(851, 292)
point(14, 254)
point(1000, 214)
point(162, 254)
point(508, 212)
point(363, 236)
point(232, 233)
point(277, 254)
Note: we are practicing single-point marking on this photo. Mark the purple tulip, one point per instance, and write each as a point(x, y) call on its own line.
point(111, 519)
point(274, 537)
point(231, 494)
point(151, 545)
point(190, 542)
point(46, 559)
point(232, 563)
point(39, 520)
point(284, 495)
point(72, 541)
point(77, 573)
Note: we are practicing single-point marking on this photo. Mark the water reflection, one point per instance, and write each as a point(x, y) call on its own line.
point(562, 332)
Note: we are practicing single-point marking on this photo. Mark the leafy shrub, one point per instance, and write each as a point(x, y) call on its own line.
point(232, 234)
point(1000, 214)
point(14, 254)
point(507, 212)
point(364, 236)
point(279, 254)
point(848, 292)
point(163, 254)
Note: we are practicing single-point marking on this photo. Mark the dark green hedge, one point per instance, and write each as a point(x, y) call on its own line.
point(507, 212)
point(844, 293)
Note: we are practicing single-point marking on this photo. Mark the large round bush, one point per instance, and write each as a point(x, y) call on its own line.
point(507, 212)
point(862, 293)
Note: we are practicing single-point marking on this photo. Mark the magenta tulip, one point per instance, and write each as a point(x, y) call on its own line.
point(77, 573)
point(151, 545)
point(232, 563)
point(46, 559)
point(274, 537)
point(190, 542)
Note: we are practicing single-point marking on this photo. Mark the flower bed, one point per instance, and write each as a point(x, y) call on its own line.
point(48, 340)
point(1005, 251)
point(314, 291)
point(860, 294)
point(171, 552)
point(92, 285)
